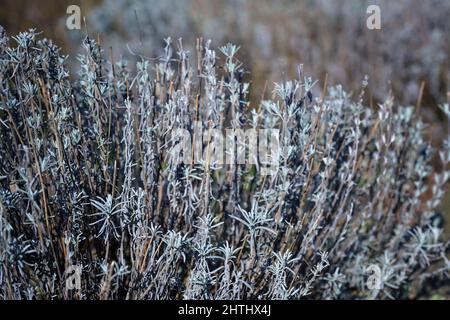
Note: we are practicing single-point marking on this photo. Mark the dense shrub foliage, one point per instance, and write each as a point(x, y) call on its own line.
point(88, 179)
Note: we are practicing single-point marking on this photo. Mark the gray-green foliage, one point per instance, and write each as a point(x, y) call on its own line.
point(87, 179)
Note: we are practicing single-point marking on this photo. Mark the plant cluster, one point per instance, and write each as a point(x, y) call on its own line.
point(88, 178)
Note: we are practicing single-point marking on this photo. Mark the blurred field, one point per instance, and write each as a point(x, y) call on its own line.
point(327, 37)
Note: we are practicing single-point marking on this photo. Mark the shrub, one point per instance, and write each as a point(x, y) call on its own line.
point(89, 179)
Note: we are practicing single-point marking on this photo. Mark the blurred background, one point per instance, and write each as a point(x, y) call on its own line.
point(275, 36)
point(329, 37)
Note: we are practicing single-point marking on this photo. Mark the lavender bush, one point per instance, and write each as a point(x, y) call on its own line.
point(88, 178)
